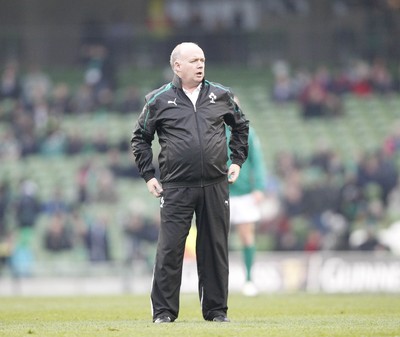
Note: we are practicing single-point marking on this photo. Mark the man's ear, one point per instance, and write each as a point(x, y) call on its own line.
point(177, 66)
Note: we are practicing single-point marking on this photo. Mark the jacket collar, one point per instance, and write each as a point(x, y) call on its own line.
point(177, 82)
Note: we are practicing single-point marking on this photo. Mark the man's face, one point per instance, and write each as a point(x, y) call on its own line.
point(190, 66)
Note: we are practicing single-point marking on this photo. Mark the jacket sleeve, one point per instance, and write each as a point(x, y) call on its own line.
point(142, 137)
point(238, 142)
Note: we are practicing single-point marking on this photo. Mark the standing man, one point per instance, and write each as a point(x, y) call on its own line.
point(246, 196)
point(190, 115)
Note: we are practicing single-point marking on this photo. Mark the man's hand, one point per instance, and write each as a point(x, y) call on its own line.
point(154, 187)
point(233, 173)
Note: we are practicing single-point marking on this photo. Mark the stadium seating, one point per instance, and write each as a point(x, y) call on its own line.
point(364, 126)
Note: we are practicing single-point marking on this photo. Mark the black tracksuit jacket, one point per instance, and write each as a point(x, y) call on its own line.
point(193, 142)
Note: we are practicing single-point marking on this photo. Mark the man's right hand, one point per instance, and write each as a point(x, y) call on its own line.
point(154, 187)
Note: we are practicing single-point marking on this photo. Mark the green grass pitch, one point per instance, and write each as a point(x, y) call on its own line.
point(266, 315)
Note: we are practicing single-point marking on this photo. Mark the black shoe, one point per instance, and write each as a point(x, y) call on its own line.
point(221, 319)
point(163, 319)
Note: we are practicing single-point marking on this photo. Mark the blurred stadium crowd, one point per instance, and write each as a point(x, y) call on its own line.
point(313, 203)
point(69, 187)
point(320, 93)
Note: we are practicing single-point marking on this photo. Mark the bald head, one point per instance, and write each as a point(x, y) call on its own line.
point(188, 63)
point(181, 50)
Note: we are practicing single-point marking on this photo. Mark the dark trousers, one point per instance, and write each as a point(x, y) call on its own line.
point(211, 207)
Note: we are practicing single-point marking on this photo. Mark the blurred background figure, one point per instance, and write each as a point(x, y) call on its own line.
point(246, 195)
point(10, 86)
point(58, 237)
point(27, 205)
point(96, 238)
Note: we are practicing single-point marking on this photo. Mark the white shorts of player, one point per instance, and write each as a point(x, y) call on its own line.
point(244, 209)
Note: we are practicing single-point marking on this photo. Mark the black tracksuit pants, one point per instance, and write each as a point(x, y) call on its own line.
point(210, 204)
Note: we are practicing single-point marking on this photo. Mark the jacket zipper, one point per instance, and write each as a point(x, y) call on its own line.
point(200, 142)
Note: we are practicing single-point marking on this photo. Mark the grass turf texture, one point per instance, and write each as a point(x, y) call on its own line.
point(266, 315)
